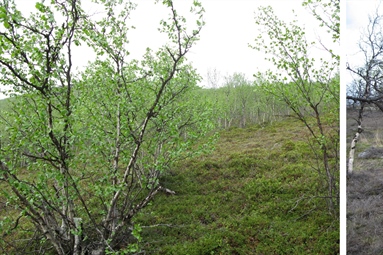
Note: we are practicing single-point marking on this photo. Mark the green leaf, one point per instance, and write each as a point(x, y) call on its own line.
point(6, 25)
point(40, 7)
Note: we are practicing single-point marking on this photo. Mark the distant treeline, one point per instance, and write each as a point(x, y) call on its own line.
point(240, 102)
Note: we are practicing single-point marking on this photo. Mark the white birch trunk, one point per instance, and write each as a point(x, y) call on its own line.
point(354, 141)
point(77, 237)
point(352, 150)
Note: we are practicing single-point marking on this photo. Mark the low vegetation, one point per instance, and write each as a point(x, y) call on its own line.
point(364, 187)
point(117, 158)
point(254, 195)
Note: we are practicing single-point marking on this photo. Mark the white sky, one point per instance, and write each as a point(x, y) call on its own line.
point(229, 28)
point(357, 19)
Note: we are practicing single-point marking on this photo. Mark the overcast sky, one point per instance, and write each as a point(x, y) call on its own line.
point(230, 27)
point(357, 19)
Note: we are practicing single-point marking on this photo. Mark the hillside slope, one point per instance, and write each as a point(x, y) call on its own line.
point(364, 186)
point(254, 195)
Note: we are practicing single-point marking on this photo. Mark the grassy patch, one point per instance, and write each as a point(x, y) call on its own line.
point(254, 195)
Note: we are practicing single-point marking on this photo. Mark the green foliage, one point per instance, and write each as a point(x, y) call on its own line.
point(241, 102)
point(100, 144)
point(307, 87)
point(91, 146)
point(328, 14)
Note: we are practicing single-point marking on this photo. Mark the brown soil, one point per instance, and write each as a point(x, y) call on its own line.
point(365, 186)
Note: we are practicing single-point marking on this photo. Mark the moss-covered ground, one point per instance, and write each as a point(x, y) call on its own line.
point(255, 194)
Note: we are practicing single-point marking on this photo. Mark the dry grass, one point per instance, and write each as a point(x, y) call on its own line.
point(365, 188)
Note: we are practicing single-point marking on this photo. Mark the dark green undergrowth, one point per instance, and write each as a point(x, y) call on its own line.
point(256, 194)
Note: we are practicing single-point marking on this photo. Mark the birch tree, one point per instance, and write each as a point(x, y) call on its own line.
point(98, 141)
point(368, 77)
point(310, 89)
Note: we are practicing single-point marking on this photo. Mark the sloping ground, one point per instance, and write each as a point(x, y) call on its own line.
point(364, 212)
point(253, 195)
point(365, 189)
